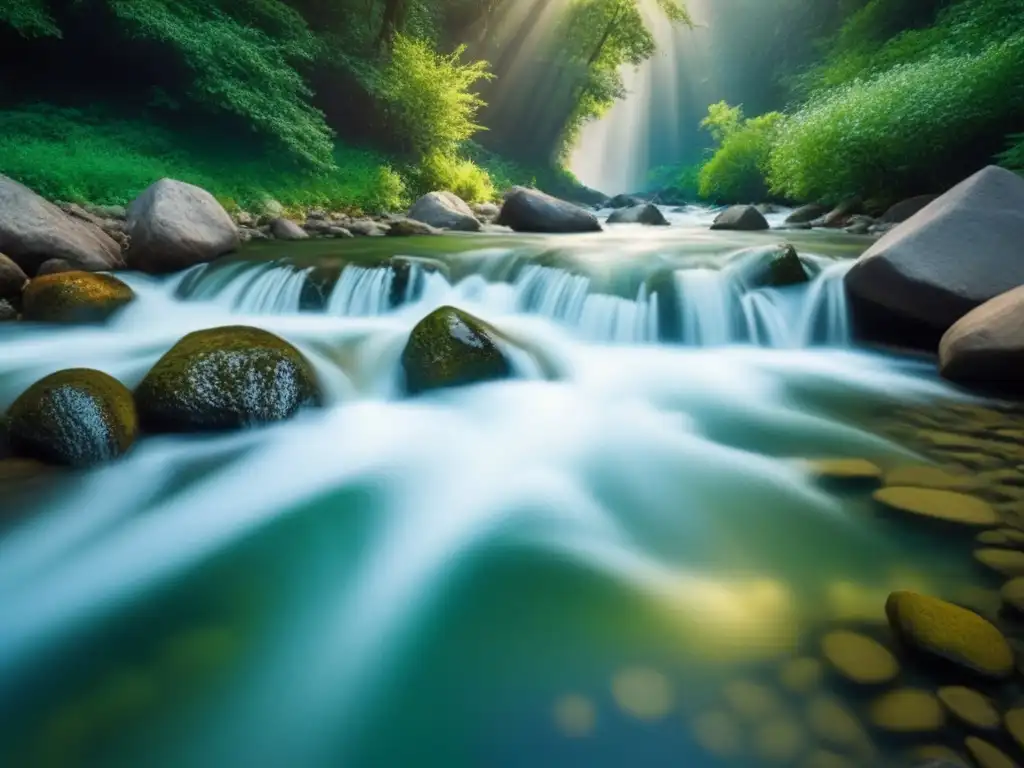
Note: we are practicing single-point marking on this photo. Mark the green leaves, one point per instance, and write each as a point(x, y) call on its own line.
point(31, 18)
point(738, 169)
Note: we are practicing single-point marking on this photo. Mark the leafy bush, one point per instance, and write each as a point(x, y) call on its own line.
point(463, 177)
point(30, 17)
point(1013, 157)
point(737, 170)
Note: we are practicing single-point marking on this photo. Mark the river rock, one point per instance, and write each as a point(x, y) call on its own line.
point(907, 710)
point(402, 227)
point(845, 470)
point(958, 252)
point(930, 476)
point(970, 707)
point(486, 211)
point(451, 348)
point(832, 722)
point(986, 346)
point(1015, 725)
point(936, 756)
point(33, 230)
point(55, 267)
point(741, 217)
point(78, 417)
point(444, 210)
point(366, 228)
point(719, 734)
point(174, 225)
point(773, 266)
point(840, 216)
point(805, 214)
point(947, 506)
point(1006, 562)
point(780, 740)
point(951, 633)
point(74, 297)
point(8, 311)
point(751, 701)
point(801, 675)
point(645, 213)
point(903, 210)
point(624, 201)
point(987, 756)
point(12, 280)
point(286, 229)
point(859, 658)
point(226, 378)
point(529, 210)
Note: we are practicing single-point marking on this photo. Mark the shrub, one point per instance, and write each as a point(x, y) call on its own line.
point(1013, 157)
point(463, 177)
point(737, 170)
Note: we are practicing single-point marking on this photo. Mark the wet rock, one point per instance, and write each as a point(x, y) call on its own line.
point(858, 658)
point(645, 213)
point(772, 266)
point(55, 267)
point(969, 706)
point(643, 693)
point(246, 219)
point(74, 297)
point(313, 226)
point(285, 229)
point(1012, 594)
point(624, 201)
point(916, 282)
point(845, 470)
point(226, 378)
point(529, 210)
point(987, 756)
point(986, 346)
point(948, 632)
point(450, 348)
point(337, 232)
point(801, 675)
point(366, 228)
point(840, 216)
point(1008, 538)
point(1006, 562)
point(174, 225)
point(33, 230)
point(8, 311)
point(399, 227)
point(904, 209)
point(719, 734)
point(486, 211)
point(837, 727)
point(946, 506)
point(117, 212)
point(12, 281)
point(444, 210)
point(78, 417)
point(740, 217)
point(780, 740)
point(907, 710)
point(805, 214)
point(928, 476)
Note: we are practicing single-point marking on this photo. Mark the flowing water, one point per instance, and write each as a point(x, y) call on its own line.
point(555, 570)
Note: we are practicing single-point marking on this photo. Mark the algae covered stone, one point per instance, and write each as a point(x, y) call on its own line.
point(1012, 594)
point(74, 297)
point(450, 348)
point(947, 506)
point(845, 470)
point(907, 710)
point(858, 658)
point(1008, 562)
point(226, 378)
point(969, 706)
point(78, 417)
point(949, 632)
point(986, 755)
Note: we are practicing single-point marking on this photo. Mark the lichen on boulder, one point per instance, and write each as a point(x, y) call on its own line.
point(450, 348)
point(77, 417)
point(74, 297)
point(226, 378)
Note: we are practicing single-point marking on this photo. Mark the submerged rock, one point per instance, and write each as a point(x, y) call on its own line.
point(74, 297)
point(444, 210)
point(12, 281)
point(286, 229)
point(529, 210)
point(624, 201)
point(226, 378)
point(986, 755)
point(772, 266)
point(450, 348)
point(33, 230)
point(986, 346)
point(947, 506)
point(174, 225)
point(970, 707)
point(805, 214)
point(8, 311)
point(645, 213)
point(77, 417)
point(741, 217)
point(907, 710)
point(859, 658)
point(55, 267)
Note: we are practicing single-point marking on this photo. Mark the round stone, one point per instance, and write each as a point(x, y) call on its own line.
point(858, 658)
point(643, 693)
point(987, 756)
point(718, 734)
point(1013, 594)
point(948, 506)
point(845, 469)
point(1008, 538)
point(949, 632)
point(907, 711)
point(780, 740)
point(751, 701)
point(835, 725)
point(928, 476)
point(969, 706)
point(801, 675)
point(1006, 562)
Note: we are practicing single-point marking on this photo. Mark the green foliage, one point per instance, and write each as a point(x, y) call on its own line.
point(428, 95)
point(1013, 157)
point(738, 169)
point(461, 176)
point(722, 121)
point(682, 180)
point(31, 18)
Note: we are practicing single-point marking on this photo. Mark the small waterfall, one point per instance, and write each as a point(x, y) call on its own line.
point(274, 288)
point(363, 292)
point(708, 298)
point(765, 319)
point(826, 318)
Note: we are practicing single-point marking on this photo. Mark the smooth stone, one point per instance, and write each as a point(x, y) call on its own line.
point(445, 210)
point(751, 701)
point(969, 706)
point(858, 658)
point(801, 675)
point(947, 506)
point(718, 734)
point(1007, 562)
point(575, 716)
point(780, 740)
point(907, 710)
point(740, 217)
point(949, 632)
point(286, 229)
point(987, 756)
point(928, 476)
point(8, 312)
point(74, 297)
point(833, 723)
point(1012, 594)
point(844, 469)
point(1009, 538)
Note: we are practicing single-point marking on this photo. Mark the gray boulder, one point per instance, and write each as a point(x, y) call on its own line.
point(741, 217)
point(33, 230)
point(646, 213)
point(955, 254)
point(12, 280)
point(529, 210)
point(486, 211)
point(402, 227)
point(366, 228)
point(624, 201)
point(768, 266)
point(805, 214)
point(286, 229)
point(986, 346)
point(904, 209)
point(174, 225)
point(841, 215)
point(444, 210)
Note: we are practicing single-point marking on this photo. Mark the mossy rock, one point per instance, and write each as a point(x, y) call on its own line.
point(845, 470)
point(74, 297)
point(928, 476)
point(858, 658)
point(78, 417)
point(1006, 562)
point(946, 506)
point(450, 348)
point(951, 633)
point(907, 710)
point(1015, 725)
point(969, 707)
point(1012, 594)
point(986, 755)
point(226, 378)
point(1008, 538)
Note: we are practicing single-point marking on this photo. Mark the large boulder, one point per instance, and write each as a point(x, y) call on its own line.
point(286, 229)
point(741, 217)
point(225, 378)
point(450, 348)
point(33, 230)
point(174, 225)
point(12, 281)
point(74, 297)
point(77, 417)
point(445, 210)
point(986, 346)
point(645, 213)
point(805, 214)
point(529, 210)
point(958, 252)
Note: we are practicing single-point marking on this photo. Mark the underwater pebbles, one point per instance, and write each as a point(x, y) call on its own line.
point(946, 506)
point(907, 710)
point(970, 707)
point(859, 658)
point(987, 756)
point(1006, 562)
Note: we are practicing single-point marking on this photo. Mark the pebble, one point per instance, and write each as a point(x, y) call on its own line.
point(907, 710)
point(969, 706)
point(845, 469)
point(948, 506)
point(859, 658)
point(1006, 562)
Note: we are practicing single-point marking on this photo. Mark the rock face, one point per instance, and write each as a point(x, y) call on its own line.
point(769, 266)
point(645, 213)
point(174, 225)
point(450, 348)
point(805, 214)
point(225, 378)
point(528, 210)
point(74, 297)
point(33, 231)
point(741, 217)
point(986, 346)
point(958, 252)
point(444, 210)
point(77, 417)
point(286, 229)
point(12, 280)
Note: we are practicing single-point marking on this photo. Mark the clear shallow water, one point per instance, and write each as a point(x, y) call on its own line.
point(556, 570)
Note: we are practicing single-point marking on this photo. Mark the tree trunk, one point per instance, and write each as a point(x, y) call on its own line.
point(392, 22)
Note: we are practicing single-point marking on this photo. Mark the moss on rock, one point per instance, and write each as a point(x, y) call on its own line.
point(907, 711)
point(859, 658)
point(74, 297)
point(450, 348)
point(78, 417)
point(226, 378)
point(947, 506)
